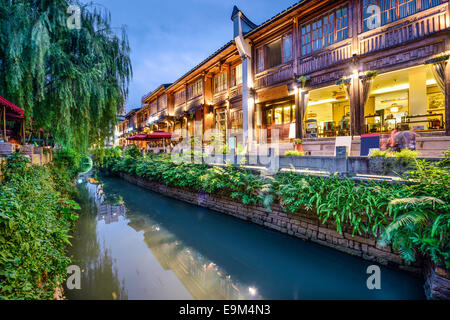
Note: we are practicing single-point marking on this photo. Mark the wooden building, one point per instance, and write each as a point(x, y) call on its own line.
point(318, 70)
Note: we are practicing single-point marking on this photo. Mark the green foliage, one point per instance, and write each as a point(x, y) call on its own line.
point(133, 152)
point(294, 153)
point(406, 154)
point(421, 220)
point(71, 82)
point(68, 161)
point(102, 155)
point(35, 220)
point(379, 153)
point(354, 207)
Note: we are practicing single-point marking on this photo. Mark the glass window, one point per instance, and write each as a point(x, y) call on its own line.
point(220, 83)
point(273, 54)
point(236, 75)
point(287, 114)
point(278, 116)
point(325, 31)
point(389, 11)
point(269, 117)
point(287, 48)
point(260, 59)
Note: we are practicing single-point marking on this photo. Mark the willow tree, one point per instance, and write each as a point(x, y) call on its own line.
point(71, 81)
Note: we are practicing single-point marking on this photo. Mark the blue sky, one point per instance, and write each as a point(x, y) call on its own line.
point(169, 37)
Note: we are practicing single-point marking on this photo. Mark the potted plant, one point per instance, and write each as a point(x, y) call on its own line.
point(298, 143)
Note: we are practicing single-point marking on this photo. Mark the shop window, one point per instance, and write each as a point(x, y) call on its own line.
point(405, 100)
point(279, 116)
point(325, 31)
point(327, 113)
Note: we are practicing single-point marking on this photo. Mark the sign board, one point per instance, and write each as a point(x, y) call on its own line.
point(344, 142)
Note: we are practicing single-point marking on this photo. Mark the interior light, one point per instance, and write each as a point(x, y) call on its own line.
point(394, 109)
point(315, 103)
point(392, 89)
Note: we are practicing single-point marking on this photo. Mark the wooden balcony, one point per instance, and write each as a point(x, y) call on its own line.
point(236, 92)
point(325, 58)
point(220, 98)
point(407, 29)
point(274, 76)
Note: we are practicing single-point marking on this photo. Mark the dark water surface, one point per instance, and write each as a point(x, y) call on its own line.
point(135, 244)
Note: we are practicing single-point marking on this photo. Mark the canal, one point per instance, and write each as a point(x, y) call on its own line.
point(131, 243)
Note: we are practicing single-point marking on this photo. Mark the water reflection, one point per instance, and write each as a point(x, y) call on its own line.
point(134, 244)
point(199, 275)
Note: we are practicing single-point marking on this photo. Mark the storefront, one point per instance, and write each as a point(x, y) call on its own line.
point(279, 115)
point(327, 113)
point(408, 99)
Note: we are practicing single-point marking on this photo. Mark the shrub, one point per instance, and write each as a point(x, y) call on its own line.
point(133, 152)
point(35, 221)
point(294, 153)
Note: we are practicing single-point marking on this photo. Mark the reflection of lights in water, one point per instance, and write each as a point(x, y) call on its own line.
point(252, 291)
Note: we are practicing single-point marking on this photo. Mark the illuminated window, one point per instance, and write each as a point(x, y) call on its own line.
point(278, 119)
point(287, 114)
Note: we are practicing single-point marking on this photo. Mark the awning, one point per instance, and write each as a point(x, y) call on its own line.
point(159, 135)
point(12, 107)
point(139, 137)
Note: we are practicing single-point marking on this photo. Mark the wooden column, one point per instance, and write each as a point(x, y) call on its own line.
point(447, 89)
point(299, 105)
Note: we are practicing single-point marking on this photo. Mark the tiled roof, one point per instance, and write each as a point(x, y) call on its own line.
point(277, 16)
point(165, 86)
point(204, 61)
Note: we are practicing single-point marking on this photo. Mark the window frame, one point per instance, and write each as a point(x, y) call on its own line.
point(262, 55)
point(316, 34)
point(386, 19)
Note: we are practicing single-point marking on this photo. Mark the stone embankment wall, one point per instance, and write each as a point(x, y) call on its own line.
point(306, 226)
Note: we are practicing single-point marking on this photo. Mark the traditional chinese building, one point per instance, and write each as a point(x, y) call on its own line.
point(319, 70)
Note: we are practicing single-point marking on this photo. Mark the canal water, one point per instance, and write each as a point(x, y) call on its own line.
point(131, 243)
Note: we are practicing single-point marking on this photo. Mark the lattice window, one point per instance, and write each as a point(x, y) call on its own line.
point(325, 31)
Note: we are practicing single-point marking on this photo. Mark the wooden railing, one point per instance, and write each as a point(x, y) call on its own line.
point(220, 97)
point(274, 76)
point(236, 92)
point(403, 32)
point(324, 59)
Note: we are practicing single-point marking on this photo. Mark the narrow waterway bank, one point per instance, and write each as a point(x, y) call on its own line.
point(138, 244)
